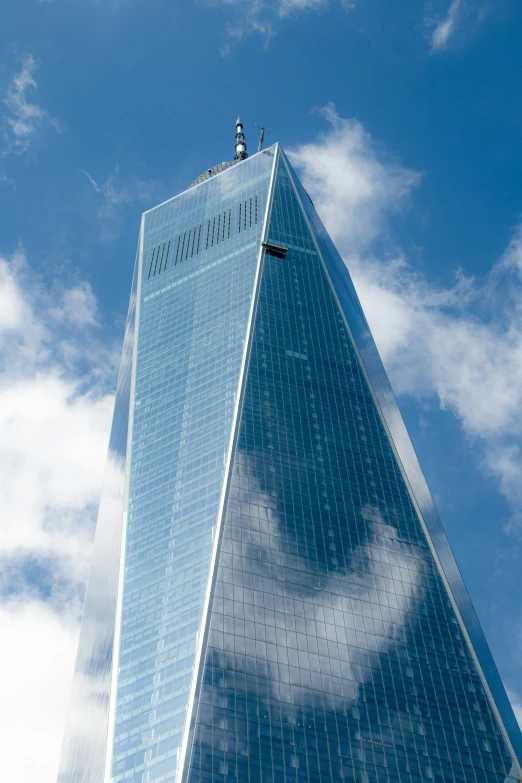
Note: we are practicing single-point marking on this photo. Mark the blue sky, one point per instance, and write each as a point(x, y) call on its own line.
point(404, 121)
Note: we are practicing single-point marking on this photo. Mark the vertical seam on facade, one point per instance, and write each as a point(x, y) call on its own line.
point(411, 492)
point(193, 702)
point(162, 255)
point(151, 262)
point(119, 600)
point(156, 264)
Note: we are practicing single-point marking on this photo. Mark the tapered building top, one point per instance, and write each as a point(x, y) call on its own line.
point(272, 594)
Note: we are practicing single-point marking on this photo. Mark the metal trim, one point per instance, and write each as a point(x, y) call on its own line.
point(119, 605)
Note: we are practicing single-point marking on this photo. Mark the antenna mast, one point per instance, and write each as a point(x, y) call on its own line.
point(262, 137)
point(241, 148)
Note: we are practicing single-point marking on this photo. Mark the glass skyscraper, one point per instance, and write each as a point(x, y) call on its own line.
point(272, 595)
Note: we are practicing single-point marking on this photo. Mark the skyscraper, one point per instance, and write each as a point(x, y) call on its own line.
point(272, 594)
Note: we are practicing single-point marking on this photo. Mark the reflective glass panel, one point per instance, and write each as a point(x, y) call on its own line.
point(200, 253)
point(334, 651)
point(365, 344)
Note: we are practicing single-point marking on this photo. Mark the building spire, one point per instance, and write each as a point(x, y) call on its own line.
point(241, 148)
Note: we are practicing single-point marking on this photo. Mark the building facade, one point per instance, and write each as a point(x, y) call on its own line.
point(272, 594)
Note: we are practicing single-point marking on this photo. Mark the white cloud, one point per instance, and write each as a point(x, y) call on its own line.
point(53, 440)
point(114, 195)
point(437, 343)
point(461, 17)
point(54, 418)
point(38, 648)
point(22, 119)
point(446, 27)
point(460, 345)
point(354, 187)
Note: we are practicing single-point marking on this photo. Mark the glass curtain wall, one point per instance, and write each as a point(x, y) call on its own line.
point(272, 596)
point(200, 255)
point(335, 652)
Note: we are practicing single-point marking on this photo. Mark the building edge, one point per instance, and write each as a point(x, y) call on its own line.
point(108, 529)
point(125, 518)
point(193, 704)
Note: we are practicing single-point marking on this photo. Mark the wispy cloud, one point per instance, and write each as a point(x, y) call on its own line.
point(445, 28)
point(114, 194)
point(250, 16)
point(55, 410)
point(460, 345)
point(7, 180)
point(288, 6)
point(450, 27)
point(261, 16)
point(356, 185)
point(23, 119)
